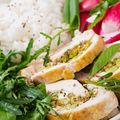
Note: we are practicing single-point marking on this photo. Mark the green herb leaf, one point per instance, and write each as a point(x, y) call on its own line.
point(39, 52)
point(109, 83)
point(104, 58)
point(18, 101)
point(16, 96)
point(112, 2)
point(74, 14)
point(59, 40)
point(7, 116)
point(66, 11)
point(9, 108)
point(71, 13)
point(32, 93)
point(42, 88)
point(47, 58)
point(106, 75)
point(29, 48)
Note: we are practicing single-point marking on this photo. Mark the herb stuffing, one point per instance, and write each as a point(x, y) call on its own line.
point(19, 100)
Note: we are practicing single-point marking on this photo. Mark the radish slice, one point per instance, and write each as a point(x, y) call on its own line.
point(111, 22)
point(87, 5)
point(113, 39)
point(83, 21)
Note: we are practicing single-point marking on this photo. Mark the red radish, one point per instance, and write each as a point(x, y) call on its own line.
point(83, 21)
point(87, 5)
point(97, 28)
point(113, 39)
point(111, 22)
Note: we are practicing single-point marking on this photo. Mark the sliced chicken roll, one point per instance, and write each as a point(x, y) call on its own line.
point(112, 66)
point(73, 57)
point(76, 102)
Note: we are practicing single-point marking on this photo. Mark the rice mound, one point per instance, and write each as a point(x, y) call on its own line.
point(21, 20)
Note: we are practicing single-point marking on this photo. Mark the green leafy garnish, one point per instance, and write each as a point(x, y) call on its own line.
point(100, 11)
point(59, 41)
point(104, 58)
point(108, 83)
point(50, 38)
point(7, 116)
point(71, 13)
point(18, 99)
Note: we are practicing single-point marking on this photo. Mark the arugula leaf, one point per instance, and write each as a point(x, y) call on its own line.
point(32, 93)
point(20, 101)
point(7, 116)
point(104, 58)
point(16, 96)
point(9, 108)
point(35, 115)
point(71, 13)
point(42, 88)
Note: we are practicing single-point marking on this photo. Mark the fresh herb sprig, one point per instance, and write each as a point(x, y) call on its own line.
point(72, 14)
point(100, 11)
point(50, 38)
point(18, 99)
point(112, 84)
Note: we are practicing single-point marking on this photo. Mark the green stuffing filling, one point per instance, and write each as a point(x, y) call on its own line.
point(71, 53)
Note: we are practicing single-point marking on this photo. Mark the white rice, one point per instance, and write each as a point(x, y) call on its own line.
point(21, 20)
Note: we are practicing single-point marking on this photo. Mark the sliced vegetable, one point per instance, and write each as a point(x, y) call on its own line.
point(113, 39)
point(83, 21)
point(104, 58)
point(111, 22)
point(88, 5)
point(100, 11)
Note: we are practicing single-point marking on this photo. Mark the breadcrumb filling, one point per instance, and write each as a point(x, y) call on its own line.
point(76, 50)
point(66, 101)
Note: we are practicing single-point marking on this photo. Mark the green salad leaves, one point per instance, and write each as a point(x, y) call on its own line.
point(19, 100)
